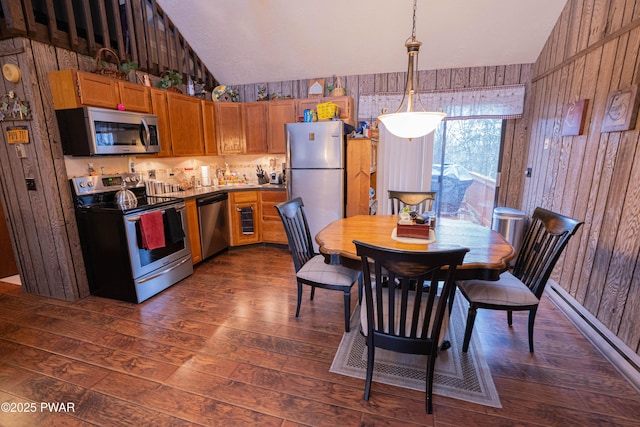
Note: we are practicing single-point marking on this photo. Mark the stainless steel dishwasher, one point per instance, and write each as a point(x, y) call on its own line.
point(214, 224)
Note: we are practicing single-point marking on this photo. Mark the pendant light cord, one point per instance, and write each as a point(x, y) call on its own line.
point(413, 31)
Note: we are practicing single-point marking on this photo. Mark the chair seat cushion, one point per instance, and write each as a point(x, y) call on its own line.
point(508, 290)
point(385, 304)
point(316, 270)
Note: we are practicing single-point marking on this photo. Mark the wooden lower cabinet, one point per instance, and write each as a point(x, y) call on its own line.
point(194, 231)
point(272, 228)
point(244, 205)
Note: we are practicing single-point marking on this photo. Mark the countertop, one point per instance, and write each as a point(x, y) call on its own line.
point(205, 191)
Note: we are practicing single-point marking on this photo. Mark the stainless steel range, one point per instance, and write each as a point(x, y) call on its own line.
point(119, 262)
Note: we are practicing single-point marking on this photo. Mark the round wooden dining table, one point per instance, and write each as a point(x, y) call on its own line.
point(488, 254)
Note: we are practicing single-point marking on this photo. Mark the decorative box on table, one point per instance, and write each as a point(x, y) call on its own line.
point(416, 231)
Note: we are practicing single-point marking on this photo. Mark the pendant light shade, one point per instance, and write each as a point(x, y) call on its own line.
point(409, 123)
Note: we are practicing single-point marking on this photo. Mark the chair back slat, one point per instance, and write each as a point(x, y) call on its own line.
point(419, 201)
point(295, 224)
point(541, 248)
point(404, 302)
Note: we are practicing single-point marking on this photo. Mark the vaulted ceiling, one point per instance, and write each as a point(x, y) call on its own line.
point(254, 41)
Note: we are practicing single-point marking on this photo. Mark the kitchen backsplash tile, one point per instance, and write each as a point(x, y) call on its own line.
point(174, 169)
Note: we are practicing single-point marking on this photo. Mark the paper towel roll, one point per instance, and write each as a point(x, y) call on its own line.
point(206, 177)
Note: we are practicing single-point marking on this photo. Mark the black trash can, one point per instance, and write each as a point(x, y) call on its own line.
point(510, 223)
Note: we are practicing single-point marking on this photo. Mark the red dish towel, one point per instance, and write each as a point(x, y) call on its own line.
point(152, 230)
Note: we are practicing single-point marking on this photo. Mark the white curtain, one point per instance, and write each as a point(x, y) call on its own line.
point(402, 165)
point(497, 102)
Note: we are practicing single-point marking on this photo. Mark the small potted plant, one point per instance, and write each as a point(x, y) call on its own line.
point(127, 67)
point(170, 80)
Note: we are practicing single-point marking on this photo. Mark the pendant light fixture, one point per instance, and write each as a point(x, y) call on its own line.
point(409, 123)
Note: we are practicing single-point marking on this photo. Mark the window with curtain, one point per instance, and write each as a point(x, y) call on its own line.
point(407, 165)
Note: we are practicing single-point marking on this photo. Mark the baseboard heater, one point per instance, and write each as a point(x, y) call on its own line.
point(621, 356)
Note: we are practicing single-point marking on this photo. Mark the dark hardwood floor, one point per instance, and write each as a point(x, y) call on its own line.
point(223, 348)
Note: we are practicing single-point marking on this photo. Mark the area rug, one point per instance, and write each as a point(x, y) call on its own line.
point(458, 375)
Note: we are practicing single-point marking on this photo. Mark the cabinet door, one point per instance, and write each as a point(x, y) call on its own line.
point(186, 125)
point(306, 104)
point(209, 124)
point(159, 108)
point(244, 205)
point(97, 90)
point(229, 127)
point(358, 176)
point(279, 113)
point(272, 228)
point(345, 103)
point(135, 97)
point(255, 127)
point(194, 231)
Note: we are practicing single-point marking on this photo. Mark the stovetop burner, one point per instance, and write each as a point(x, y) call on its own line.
point(97, 193)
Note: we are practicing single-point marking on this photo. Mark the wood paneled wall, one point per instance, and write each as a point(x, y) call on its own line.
point(41, 222)
point(513, 161)
point(592, 51)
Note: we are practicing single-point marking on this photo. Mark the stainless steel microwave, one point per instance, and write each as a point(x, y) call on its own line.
point(91, 131)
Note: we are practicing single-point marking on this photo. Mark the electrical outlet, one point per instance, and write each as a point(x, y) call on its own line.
point(528, 172)
point(31, 184)
point(546, 143)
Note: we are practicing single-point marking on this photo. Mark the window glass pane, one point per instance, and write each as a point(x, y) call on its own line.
point(466, 184)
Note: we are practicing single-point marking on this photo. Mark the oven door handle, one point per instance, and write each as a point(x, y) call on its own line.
point(165, 271)
point(137, 218)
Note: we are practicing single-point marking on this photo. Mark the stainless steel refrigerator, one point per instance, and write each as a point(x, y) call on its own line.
point(315, 171)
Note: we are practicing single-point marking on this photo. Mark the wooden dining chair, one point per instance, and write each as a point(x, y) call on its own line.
point(404, 315)
point(418, 201)
point(311, 268)
point(520, 290)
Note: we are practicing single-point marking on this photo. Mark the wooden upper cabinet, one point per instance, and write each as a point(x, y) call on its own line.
point(279, 113)
point(135, 97)
point(229, 129)
point(75, 89)
point(345, 104)
point(187, 135)
point(159, 108)
point(209, 123)
point(255, 127)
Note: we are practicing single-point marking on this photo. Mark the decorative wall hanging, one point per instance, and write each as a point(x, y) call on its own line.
point(574, 117)
point(12, 108)
point(316, 88)
point(11, 73)
point(17, 135)
point(225, 94)
point(622, 110)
